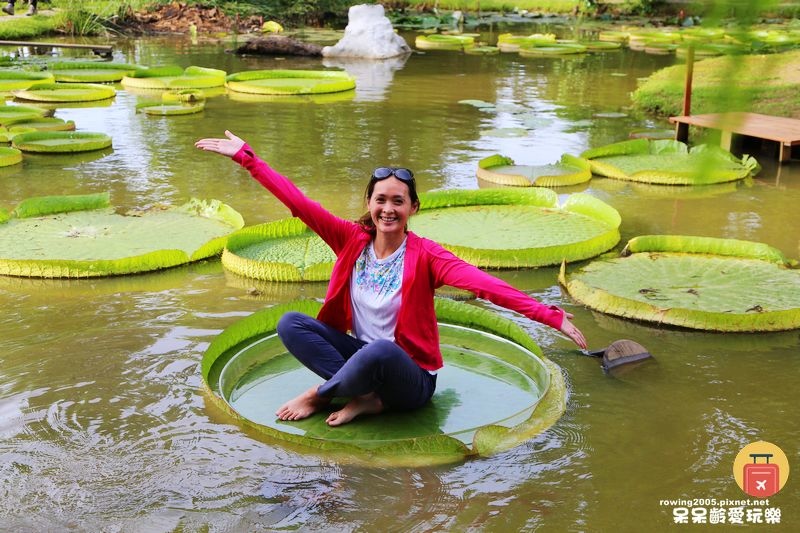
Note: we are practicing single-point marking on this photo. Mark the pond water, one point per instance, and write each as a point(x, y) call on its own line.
point(103, 425)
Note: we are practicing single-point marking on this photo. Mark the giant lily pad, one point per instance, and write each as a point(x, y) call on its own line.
point(284, 250)
point(80, 236)
point(444, 42)
point(668, 162)
point(90, 71)
point(499, 169)
point(290, 82)
point(11, 80)
point(693, 282)
point(61, 141)
point(45, 124)
point(173, 78)
point(65, 92)
point(9, 156)
point(248, 373)
point(11, 114)
point(517, 228)
point(171, 109)
point(551, 50)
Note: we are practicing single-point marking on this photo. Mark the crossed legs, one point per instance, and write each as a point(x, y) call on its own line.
point(375, 375)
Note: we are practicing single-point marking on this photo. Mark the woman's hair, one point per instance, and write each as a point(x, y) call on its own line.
point(366, 219)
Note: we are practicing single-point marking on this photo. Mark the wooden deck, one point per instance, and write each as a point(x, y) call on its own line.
point(785, 131)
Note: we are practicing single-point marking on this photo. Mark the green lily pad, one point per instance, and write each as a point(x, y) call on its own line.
point(173, 78)
point(552, 50)
point(499, 169)
point(668, 162)
point(79, 236)
point(693, 282)
point(480, 104)
point(481, 50)
point(11, 114)
point(505, 132)
point(284, 250)
point(90, 71)
point(444, 42)
point(248, 373)
point(65, 92)
point(12, 80)
point(171, 109)
point(61, 141)
point(602, 45)
point(517, 228)
point(290, 82)
point(45, 124)
point(9, 156)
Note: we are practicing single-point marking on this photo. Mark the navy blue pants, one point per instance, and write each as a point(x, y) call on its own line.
point(353, 367)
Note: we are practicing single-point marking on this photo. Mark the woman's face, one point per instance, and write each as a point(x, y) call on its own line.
point(390, 205)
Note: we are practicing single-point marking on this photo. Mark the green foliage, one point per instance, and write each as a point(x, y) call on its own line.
point(26, 27)
point(741, 83)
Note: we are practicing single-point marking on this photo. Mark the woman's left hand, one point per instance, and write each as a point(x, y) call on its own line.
point(569, 329)
point(228, 147)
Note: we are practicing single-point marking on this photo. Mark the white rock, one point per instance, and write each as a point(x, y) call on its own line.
point(369, 34)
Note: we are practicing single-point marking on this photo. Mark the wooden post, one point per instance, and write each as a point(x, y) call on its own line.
point(682, 130)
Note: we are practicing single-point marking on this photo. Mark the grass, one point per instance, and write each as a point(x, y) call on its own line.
point(758, 83)
point(24, 28)
point(548, 6)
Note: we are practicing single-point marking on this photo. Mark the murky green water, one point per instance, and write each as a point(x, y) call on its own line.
point(102, 422)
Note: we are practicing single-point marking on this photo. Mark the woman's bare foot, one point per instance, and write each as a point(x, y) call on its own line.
point(369, 404)
point(302, 406)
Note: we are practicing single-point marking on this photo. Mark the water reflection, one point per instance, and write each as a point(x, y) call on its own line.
point(373, 76)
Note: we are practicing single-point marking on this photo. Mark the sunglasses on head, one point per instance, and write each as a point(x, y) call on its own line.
point(403, 174)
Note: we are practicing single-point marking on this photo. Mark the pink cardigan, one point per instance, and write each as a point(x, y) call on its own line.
point(426, 266)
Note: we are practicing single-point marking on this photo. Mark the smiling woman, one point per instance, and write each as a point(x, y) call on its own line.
point(375, 339)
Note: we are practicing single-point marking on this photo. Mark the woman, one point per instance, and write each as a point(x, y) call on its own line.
point(381, 289)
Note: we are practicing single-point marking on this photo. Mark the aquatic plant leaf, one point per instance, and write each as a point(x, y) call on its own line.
point(65, 92)
point(518, 229)
point(9, 156)
point(443, 42)
point(284, 250)
point(290, 82)
point(247, 357)
point(505, 132)
point(570, 170)
point(706, 245)
point(70, 238)
point(692, 290)
point(89, 71)
point(49, 205)
point(11, 114)
point(45, 124)
point(668, 162)
point(171, 109)
point(61, 141)
point(12, 80)
point(174, 78)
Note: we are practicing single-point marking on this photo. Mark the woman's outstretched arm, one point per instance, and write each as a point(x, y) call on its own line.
point(333, 230)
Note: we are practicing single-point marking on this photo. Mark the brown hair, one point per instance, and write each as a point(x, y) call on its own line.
point(366, 219)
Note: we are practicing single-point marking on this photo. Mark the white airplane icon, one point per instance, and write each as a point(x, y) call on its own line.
point(761, 485)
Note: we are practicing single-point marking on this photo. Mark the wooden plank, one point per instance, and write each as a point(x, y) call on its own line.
point(781, 129)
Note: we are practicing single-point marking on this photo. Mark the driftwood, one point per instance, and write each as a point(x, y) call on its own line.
point(279, 45)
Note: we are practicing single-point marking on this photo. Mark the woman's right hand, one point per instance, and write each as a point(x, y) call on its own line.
point(569, 329)
point(228, 147)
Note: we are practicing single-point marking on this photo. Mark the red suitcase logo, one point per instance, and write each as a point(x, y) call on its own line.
point(761, 480)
